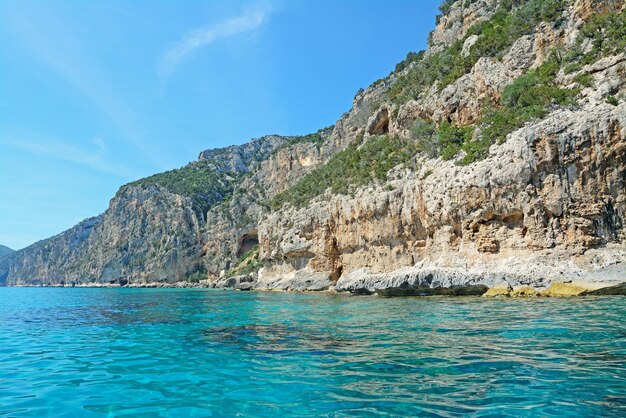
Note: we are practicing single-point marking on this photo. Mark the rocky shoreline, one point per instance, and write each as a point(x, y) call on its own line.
point(405, 282)
point(147, 285)
point(557, 289)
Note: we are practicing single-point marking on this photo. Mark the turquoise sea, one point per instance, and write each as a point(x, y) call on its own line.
point(185, 353)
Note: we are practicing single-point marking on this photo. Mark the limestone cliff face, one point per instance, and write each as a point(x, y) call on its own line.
point(147, 233)
point(47, 261)
point(547, 205)
point(455, 23)
point(4, 250)
point(232, 226)
point(150, 232)
point(546, 202)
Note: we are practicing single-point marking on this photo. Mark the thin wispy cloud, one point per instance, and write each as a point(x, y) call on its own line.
point(64, 51)
point(94, 159)
point(251, 19)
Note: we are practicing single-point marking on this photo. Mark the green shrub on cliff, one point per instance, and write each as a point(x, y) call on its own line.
point(451, 138)
point(527, 97)
point(475, 150)
point(445, 66)
point(354, 167)
point(410, 58)
point(607, 34)
point(513, 19)
point(536, 88)
point(446, 5)
point(199, 181)
point(196, 277)
point(423, 133)
point(446, 140)
point(584, 80)
point(247, 263)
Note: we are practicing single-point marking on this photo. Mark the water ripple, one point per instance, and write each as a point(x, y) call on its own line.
point(168, 352)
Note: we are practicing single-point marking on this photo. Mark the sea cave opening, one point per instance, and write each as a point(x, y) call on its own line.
point(247, 243)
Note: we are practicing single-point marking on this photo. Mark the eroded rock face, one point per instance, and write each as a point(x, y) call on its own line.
point(460, 102)
point(33, 265)
point(458, 20)
point(159, 242)
point(352, 123)
point(147, 234)
point(241, 158)
point(585, 9)
point(555, 188)
point(546, 206)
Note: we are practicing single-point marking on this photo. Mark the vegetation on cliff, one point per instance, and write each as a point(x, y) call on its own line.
point(452, 121)
point(528, 97)
point(531, 95)
point(317, 138)
point(199, 181)
point(206, 186)
point(357, 166)
point(197, 276)
point(247, 263)
point(607, 35)
point(495, 36)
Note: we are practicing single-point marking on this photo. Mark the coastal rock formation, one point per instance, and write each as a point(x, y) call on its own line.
point(40, 262)
point(4, 250)
point(458, 17)
point(546, 205)
point(491, 160)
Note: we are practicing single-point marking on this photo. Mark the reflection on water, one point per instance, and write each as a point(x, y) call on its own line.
point(170, 352)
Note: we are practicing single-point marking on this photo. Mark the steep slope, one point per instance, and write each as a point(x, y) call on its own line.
point(499, 154)
point(44, 261)
point(4, 250)
point(152, 230)
point(514, 164)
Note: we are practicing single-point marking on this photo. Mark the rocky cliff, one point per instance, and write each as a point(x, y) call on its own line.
point(496, 158)
point(4, 250)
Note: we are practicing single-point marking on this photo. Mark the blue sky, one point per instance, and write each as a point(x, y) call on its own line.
point(94, 94)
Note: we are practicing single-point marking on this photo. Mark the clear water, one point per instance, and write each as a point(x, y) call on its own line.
point(153, 352)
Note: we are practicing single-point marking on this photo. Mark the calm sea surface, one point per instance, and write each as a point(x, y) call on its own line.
point(153, 352)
